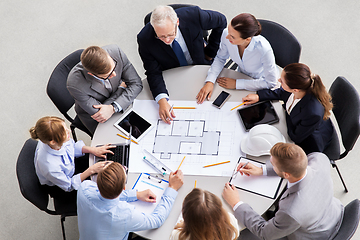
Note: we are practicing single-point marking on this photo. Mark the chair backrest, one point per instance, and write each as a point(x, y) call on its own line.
point(346, 111)
point(29, 184)
point(56, 88)
point(350, 221)
point(286, 47)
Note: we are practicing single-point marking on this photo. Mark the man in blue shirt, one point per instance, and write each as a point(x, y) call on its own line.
point(103, 211)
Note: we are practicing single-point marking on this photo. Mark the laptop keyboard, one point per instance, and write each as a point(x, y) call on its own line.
point(118, 154)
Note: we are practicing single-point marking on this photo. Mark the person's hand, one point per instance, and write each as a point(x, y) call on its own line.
point(208, 58)
point(176, 179)
point(97, 167)
point(205, 92)
point(250, 98)
point(228, 83)
point(123, 84)
point(104, 113)
point(164, 111)
point(102, 150)
point(249, 169)
point(230, 195)
point(146, 196)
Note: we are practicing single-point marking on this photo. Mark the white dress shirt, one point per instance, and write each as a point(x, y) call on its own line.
point(258, 62)
point(57, 167)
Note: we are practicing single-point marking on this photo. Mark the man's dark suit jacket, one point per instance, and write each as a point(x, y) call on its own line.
point(157, 56)
point(305, 124)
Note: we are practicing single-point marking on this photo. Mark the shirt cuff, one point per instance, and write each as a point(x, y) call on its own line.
point(240, 84)
point(264, 170)
point(237, 205)
point(161, 96)
point(119, 108)
point(210, 80)
point(128, 195)
point(78, 148)
point(170, 192)
point(75, 182)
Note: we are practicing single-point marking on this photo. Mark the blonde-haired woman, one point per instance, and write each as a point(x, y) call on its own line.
point(205, 218)
point(56, 155)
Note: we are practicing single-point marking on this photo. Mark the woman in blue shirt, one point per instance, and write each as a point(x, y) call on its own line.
point(250, 51)
point(307, 107)
point(56, 153)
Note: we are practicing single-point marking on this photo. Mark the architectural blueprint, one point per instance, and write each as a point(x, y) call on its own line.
point(205, 135)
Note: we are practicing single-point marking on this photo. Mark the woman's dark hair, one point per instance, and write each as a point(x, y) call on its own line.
point(298, 76)
point(247, 25)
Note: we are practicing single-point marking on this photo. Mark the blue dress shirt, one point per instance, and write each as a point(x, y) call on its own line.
point(57, 167)
point(101, 218)
point(258, 62)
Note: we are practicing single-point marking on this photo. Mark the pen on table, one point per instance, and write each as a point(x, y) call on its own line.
point(126, 138)
point(195, 184)
point(215, 164)
point(238, 105)
point(184, 107)
point(180, 165)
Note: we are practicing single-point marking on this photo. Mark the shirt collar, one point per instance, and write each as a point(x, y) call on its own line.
point(294, 183)
point(252, 43)
point(61, 151)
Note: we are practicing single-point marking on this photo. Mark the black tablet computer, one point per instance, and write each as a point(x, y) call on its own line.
point(258, 113)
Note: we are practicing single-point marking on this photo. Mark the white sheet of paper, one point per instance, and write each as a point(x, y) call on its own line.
point(205, 135)
point(267, 186)
point(153, 184)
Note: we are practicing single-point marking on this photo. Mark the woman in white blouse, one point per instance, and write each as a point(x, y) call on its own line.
point(203, 217)
point(250, 51)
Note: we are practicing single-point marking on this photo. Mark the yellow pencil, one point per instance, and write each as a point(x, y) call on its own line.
point(127, 138)
point(184, 107)
point(181, 163)
point(238, 106)
point(195, 184)
point(215, 164)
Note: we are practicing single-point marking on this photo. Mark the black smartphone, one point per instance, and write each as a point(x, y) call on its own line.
point(221, 99)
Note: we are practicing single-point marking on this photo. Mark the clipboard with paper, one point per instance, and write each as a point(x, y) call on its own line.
point(266, 186)
point(156, 184)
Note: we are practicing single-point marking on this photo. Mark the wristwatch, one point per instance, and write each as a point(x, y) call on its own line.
point(116, 108)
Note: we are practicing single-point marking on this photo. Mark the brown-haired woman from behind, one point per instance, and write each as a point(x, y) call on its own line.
point(205, 218)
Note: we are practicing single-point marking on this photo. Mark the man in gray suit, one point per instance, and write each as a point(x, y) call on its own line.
point(307, 209)
point(104, 82)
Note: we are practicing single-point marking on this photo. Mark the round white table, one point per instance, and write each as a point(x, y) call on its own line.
point(183, 84)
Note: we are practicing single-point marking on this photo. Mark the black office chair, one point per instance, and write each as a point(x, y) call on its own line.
point(60, 96)
point(176, 6)
point(33, 191)
point(350, 221)
point(346, 110)
point(286, 47)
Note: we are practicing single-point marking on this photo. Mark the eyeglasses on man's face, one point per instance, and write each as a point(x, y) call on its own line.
point(115, 62)
point(169, 35)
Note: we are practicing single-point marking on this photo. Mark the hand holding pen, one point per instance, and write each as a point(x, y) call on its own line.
point(249, 169)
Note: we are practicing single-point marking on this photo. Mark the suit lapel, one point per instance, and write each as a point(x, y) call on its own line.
point(298, 107)
point(96, 85)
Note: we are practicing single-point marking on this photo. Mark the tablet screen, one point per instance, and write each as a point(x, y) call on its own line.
point(258, 113)
point(139, 125)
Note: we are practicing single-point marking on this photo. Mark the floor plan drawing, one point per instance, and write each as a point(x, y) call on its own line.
point(205, 135)
point(185, 137)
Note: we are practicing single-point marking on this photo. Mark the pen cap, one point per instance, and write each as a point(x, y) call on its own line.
point(261, 139)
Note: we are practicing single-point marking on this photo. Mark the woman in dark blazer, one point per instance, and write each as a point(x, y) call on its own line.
point(307, 105)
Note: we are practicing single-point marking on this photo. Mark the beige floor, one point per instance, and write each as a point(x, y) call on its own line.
point(36, 35)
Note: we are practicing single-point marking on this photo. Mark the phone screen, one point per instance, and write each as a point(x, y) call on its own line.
point(220, 100)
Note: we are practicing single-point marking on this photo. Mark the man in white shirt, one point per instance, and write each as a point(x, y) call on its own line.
point(103, 211)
